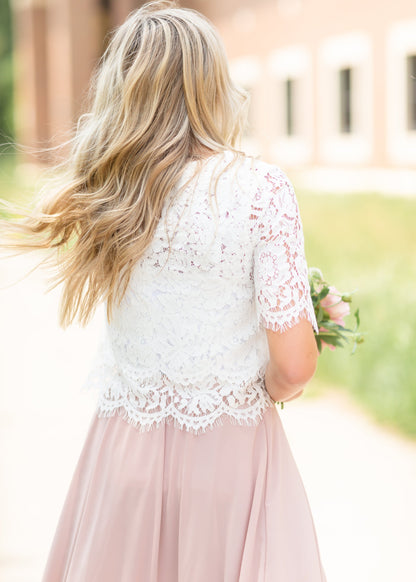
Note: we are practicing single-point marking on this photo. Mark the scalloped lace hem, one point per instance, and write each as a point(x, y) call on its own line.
point(195, 425)
point(281, 324)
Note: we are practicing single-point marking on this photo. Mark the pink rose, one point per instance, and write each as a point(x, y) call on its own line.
point(335, 307)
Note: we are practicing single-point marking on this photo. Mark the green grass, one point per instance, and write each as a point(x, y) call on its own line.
point(18, 182)
point(367, 242)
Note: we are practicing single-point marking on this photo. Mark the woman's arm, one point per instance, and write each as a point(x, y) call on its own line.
point(293, 357)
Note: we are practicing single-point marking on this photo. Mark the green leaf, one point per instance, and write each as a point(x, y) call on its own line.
point(323, 293)
point(331, 340)
point(329, 324)
point(357, 317)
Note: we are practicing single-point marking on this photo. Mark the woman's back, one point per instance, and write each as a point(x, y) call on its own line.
point(187, 343)
point(185, 346)
point(161, 498)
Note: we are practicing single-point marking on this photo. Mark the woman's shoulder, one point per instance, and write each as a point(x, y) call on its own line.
point(246, 173)
point(269, 180)
point(239, 161)
point(265, 172)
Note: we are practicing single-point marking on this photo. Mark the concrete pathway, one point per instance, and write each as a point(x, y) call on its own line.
point(360, 479)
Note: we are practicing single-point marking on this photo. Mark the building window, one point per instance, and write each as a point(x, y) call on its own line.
point(289, 106)
point(345, 100)
point(411, 92)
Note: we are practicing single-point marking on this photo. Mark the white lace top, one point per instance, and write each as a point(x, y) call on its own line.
point(187, 345)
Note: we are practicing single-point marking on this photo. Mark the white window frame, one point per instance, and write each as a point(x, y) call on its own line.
point(401, 141)
point(352, 50)
point(291, 62)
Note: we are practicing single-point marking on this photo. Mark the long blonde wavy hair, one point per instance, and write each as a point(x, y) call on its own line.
point(161, 93)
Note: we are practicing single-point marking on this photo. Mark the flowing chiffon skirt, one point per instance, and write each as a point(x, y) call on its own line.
point(227, 505)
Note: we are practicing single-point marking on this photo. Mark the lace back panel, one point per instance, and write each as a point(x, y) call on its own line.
point(187, 345)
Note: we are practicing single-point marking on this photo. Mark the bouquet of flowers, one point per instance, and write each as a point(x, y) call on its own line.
point(331, 307)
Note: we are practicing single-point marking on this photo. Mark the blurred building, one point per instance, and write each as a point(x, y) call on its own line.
point(333, 83)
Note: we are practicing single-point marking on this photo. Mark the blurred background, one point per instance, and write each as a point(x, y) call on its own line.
point(333, 102)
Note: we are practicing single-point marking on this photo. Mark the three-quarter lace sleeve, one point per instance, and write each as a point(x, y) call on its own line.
point(280, 269)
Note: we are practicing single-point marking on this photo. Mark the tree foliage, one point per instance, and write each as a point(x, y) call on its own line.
point(6, 72)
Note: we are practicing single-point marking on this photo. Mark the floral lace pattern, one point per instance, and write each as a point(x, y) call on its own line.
point(281, 272)
point(187, 345)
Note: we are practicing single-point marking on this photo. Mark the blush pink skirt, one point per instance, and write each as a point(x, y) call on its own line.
point(227, 505)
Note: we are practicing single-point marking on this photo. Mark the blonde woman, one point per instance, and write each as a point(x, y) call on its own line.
point(197, 251)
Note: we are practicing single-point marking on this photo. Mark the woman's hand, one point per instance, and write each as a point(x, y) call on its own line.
point(293, 360)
